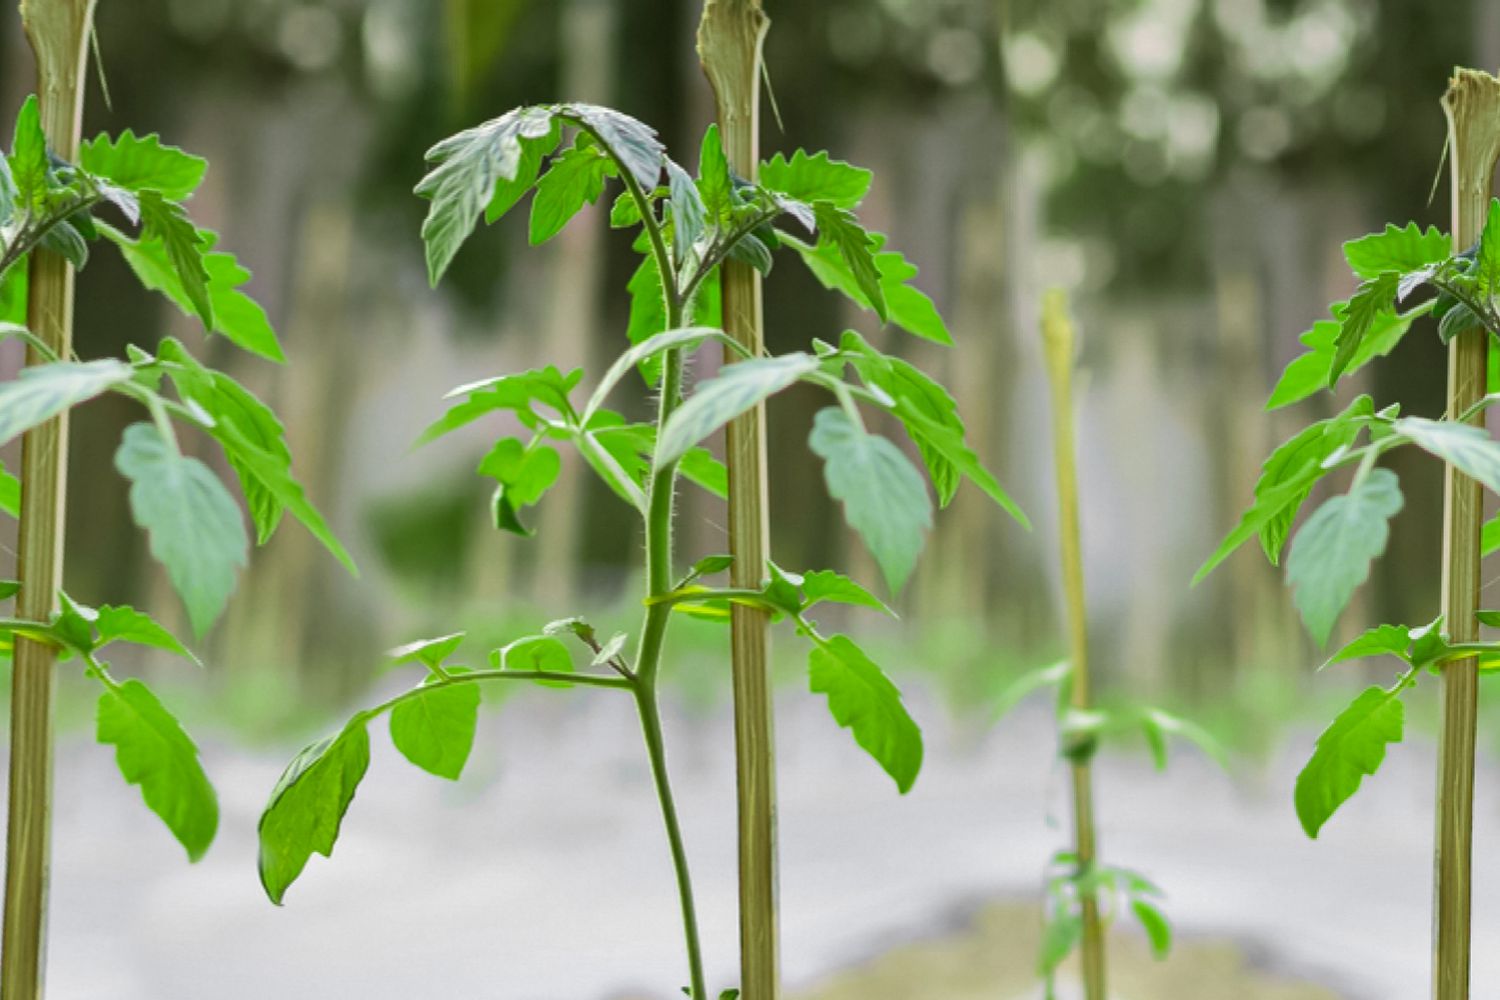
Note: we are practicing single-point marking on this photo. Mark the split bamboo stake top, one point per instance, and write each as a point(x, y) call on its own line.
point(58, 31)
point(731, 35)
point(1058, 341)
point(1472, 106)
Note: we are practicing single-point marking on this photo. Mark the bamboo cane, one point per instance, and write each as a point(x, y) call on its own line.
point(58, 31)
point(1472, 105)
point(730, 36)
point(1057, 336)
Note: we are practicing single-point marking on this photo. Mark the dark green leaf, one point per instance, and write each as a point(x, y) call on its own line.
point(154, 753)
point(1308, 373)
point(435, 728)
point(1332, 553)
point(905, 304)
point(41, 392)
point(1357, 318)
point(839, 229)
point(1487, 260)
point(864, 700)
point(1350, 748)
point(884, 497)
point(308, 804)
point(68, 243)
point(714, 181)
point(195, 528)
point(28, 155)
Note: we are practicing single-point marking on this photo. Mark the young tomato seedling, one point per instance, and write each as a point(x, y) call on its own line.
point(1331, 555)
point(687, 227)
point(1083, 896)
point(50, 206)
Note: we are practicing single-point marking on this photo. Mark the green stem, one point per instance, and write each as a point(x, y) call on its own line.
point(645, 699)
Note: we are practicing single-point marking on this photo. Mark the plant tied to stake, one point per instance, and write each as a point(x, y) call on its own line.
point(1331, 555)
point(687, 228)
point(131, 191)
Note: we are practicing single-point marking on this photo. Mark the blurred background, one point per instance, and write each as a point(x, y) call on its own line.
point(1187, 169)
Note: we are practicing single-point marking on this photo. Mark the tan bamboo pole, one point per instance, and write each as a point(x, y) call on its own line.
point(730, 37)
point(1057, 337)
point(1472, 105)
point(58, 31)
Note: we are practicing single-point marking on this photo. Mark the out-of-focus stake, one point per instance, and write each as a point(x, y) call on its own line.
point(1057, 337)
point(58, 31)
point(730, 38)
point(1472, 105)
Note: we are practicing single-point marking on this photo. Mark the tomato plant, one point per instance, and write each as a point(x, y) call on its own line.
point(130, 192)
point(686, 228)
point(1332, 552)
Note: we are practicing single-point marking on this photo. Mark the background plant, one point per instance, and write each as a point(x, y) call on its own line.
point(687, 228)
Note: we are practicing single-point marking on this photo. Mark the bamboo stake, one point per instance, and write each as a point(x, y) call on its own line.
point(730, 37)
point(58, 31)
point(1057, 336)
point(1472, 105)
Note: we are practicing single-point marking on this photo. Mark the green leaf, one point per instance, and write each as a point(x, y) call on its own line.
point(468, 167)
point(827, 585)
point(884, 497)
point(429, 652)
point(840, 230)
point(518, 393)
point(195, 528)
point(699, 467)
point(1332, 553)
point(509, 191)
point(715, 184)
point(1489, 541)
point(863, 699)
point(154, 753)
point(1358, 317)
point(523, 474)
point(234, 315)
point(41, 392)
point(9, 589)
point(689, 214)
point(308, 804)
point(434, 729)
point(275, 477)
point(685, 339)
point(905, 305)
point(1308, 373)
point(815, 178)
point(1286, 479)
point(68, 243)
point(536, 652)
point(1154, 922)
point(1037, 679)
point(1158, 725)
point(1381, 640)
point(575, 179)
point(1059, 938)
point(120, 623)
point(735, 390)
point(226, 401)
point(1467, 448)
point(10, 493)
point(13, 284)
point(143, 164)
point(630, 142)
point(1487, 260)
point(1400, 250)
point(28, 155)
point(1350, 748)
point(167, 223)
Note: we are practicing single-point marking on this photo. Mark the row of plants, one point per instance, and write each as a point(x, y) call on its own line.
point(699, 231)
